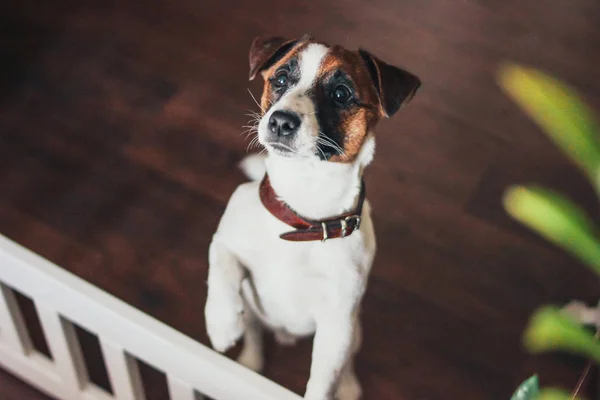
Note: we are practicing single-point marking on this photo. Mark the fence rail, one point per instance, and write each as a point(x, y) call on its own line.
point(124, 333)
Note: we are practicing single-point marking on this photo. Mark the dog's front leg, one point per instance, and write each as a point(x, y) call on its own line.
point(332, 348)
point(224, 305)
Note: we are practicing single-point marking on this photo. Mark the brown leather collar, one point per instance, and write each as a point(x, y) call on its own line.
point(306, 229)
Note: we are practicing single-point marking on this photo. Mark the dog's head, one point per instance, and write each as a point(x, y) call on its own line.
point(323, 101)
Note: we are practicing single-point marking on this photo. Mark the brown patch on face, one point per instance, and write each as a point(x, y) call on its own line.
point(349, 124)
point(355, 128)
point(267, 98)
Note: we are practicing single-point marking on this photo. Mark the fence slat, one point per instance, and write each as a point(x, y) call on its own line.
point(179, 390)
point(123, 372)
point(34, 369)
point(55, 290)
point(13, 330)
point(65, 349)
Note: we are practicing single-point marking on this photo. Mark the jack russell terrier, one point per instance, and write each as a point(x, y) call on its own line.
point(294, 247)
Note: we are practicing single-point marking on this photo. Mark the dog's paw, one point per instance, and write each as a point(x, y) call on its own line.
point(349, 389)
point(224, 322)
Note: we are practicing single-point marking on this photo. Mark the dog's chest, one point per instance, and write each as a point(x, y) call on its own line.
point(293, 280)
point(289, 291)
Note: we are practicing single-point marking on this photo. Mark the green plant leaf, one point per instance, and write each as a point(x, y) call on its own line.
point(528, 390)
point(549, 329)
point(558, 110)
point(557, 219)
point(556, 394)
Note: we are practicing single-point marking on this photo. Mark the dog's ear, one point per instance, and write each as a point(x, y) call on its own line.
point(395, 86)
point(266, 51)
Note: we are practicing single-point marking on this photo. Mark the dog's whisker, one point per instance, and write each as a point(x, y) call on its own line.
point(254, 117)
point(255, 145)
point(252, 143)
point(329, 142)
point(257, 103)
point(333, 145)
point(249, 130)
point(257, 142)
point(251, 127)
point(343, 155)
point(322, 153)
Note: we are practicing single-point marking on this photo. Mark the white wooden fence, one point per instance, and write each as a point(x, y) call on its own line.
point(124, 334)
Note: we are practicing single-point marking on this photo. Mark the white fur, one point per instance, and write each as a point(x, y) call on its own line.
point(254, 166)
point(303, 288)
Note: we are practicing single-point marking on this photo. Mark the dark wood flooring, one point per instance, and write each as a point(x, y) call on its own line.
point(120, 127)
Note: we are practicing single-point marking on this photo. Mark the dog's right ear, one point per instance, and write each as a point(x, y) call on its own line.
point(395, 86)
point(264, 52)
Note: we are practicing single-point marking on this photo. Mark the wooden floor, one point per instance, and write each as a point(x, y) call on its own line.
point(120, 127)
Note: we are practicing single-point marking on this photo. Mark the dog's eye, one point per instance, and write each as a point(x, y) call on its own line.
point(281, 79)
point(341, 93)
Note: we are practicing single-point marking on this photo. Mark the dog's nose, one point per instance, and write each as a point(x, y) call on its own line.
point(284, 123)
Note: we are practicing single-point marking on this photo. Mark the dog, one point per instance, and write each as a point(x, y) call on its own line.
point(293, 250)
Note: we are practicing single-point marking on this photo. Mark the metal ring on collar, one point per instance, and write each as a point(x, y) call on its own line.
point(353, 217)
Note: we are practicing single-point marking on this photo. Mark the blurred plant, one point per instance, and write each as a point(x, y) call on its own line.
point(568, 122)
point(530, 389)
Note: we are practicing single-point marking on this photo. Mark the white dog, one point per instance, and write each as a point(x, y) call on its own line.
point(295, 246)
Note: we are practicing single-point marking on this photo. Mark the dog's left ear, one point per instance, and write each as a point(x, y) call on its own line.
point(395, 86)
point(265, 52)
